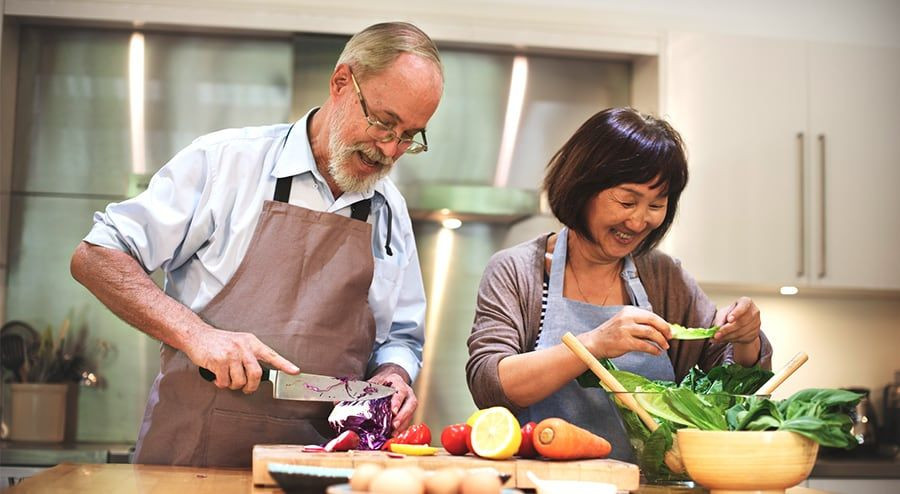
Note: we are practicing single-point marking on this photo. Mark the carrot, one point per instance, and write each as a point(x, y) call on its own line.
point(557, 439)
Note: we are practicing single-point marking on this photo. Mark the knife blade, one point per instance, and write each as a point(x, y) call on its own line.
point(314, 387)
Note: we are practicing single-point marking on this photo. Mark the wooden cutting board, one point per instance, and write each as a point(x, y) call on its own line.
point(625, 476)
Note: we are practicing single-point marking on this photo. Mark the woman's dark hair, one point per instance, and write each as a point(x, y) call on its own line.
point(614, 147)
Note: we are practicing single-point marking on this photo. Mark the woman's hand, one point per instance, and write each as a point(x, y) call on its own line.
point(739, 325)
point(632, 329)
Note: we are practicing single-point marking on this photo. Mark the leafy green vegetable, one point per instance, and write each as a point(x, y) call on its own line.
point(716, 400)
point(680, 332)
point(822, 415)
point(728, 378)
point(654, 452)
point(699, 412)
point(657, 405)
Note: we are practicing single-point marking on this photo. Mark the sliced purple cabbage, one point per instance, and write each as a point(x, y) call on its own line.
point(369, 419)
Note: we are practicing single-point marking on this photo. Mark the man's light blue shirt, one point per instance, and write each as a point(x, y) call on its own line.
point(196, 219)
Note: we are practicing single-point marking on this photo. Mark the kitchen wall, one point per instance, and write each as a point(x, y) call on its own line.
point(851, 339)
point(849, 336)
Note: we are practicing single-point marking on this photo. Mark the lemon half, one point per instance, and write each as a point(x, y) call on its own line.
point(496, 434)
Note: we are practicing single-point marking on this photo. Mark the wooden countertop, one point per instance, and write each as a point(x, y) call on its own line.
point(71, 478)
point(146, 479)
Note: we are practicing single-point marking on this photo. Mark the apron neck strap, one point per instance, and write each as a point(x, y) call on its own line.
point(358, 211)
point(558, 264)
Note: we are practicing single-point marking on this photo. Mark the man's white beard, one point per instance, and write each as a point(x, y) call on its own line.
point(341, 154)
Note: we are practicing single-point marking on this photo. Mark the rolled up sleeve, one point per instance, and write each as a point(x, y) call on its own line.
point(155, 226)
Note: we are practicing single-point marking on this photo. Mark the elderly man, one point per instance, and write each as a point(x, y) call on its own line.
point(281, 244)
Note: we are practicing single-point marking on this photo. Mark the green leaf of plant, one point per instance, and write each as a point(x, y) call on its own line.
point(702, 414)
point(680, 332)
point(652, 458)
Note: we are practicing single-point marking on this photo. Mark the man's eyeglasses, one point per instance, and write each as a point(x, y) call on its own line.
point(385, 133)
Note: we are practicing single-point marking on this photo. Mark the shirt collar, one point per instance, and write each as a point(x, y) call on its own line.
point(297, 158)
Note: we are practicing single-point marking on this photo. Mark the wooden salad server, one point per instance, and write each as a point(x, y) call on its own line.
point(673, 456)
point(782, 374)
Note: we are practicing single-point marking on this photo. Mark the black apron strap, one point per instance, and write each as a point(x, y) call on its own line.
point(360, 210)
point(283, 189)
point(283, 185)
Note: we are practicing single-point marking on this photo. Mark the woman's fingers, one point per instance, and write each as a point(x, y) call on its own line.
point(652, 334)
point(742, 323)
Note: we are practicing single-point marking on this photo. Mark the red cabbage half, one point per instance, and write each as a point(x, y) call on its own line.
point(369, 419)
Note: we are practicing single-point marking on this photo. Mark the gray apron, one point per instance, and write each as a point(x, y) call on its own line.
point(591, 408)
point(302, 289)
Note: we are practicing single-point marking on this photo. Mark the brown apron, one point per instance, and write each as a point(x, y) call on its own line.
point(302, 289)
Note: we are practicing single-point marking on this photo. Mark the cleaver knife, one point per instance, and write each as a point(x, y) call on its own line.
point(313, 387)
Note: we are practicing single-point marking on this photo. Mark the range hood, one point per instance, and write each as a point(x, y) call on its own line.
point(481, 203)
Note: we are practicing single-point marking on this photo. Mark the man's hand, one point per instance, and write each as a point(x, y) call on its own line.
point(404, 401)
point(234, 357)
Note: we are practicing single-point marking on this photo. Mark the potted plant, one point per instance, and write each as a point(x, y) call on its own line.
point(45, 370)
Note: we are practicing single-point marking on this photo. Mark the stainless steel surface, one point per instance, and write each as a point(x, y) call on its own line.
point(312, 387)
point(865, 424)
point(822, 201)
point(74, 153)
point(469, 202)
point(801, 196)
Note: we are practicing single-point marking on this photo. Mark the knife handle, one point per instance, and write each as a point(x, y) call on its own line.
point(210, 376)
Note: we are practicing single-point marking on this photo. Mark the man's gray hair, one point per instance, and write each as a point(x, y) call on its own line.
point(376, 47)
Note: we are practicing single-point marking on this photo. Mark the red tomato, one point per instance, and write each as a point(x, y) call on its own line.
point(526, 450)
point(416, 434)
point(455, 438)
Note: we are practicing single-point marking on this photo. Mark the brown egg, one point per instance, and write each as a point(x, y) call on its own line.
point(397, 481)
point(445, 481)
point(363, 475)
point(480, 483)
point(416, 471)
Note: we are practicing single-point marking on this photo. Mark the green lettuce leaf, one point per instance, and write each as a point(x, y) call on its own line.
point(680, 332)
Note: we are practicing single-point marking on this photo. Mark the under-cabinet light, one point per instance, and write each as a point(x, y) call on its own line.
point(451, 223)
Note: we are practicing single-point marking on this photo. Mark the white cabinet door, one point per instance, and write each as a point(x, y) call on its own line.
point(855, 107)
point(740, 104)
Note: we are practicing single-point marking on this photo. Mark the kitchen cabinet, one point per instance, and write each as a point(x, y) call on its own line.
point(792, 167)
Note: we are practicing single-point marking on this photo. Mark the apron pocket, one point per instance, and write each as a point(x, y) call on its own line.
point(232, 435)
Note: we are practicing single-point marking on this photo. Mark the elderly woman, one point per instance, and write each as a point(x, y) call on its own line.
point(615, 186)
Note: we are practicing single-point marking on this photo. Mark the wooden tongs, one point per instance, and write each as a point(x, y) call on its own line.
point(673, 456)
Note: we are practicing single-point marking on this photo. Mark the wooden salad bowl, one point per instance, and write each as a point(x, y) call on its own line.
point(761, 462)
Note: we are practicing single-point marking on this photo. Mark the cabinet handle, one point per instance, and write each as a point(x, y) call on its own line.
point(801, 251)
point(822, 263)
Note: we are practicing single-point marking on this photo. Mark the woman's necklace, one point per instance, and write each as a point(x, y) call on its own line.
point(612, 282)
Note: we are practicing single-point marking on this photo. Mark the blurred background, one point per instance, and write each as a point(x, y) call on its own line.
point(789, 111)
